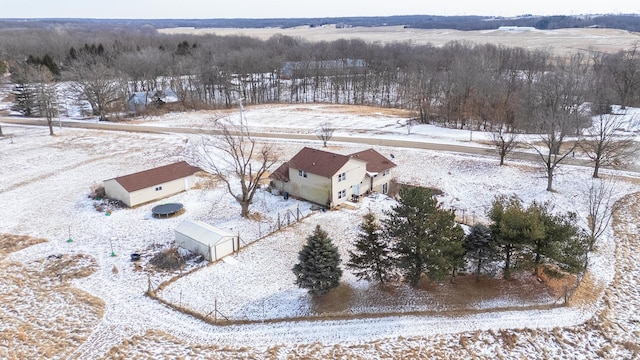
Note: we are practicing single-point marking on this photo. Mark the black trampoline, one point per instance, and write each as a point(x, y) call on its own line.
point(166, 210)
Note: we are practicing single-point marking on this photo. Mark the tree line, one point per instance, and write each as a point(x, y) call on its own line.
point(418, 238)
point(629, 22)
point(460, 84)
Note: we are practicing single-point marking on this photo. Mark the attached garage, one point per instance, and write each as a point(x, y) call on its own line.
point(201, 238)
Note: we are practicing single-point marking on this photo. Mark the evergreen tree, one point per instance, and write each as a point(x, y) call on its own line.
point(508, 229)
point(480, 247)
point(372, 259)
point(563, 242)
point(318, 269)
point(537, 235)
point(23, 99)
point(426, 238)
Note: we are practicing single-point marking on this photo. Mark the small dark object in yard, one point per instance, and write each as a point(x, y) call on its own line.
point(135, 257)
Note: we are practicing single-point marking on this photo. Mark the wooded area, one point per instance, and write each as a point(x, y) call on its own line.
point(460, 84)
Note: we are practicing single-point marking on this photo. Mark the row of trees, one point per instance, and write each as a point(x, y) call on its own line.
point(417, 238)
point(460, 84)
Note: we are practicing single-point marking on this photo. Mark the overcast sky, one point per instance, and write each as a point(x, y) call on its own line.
point(209, 9)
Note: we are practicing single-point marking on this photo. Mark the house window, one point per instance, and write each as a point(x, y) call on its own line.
point(385, 173)
point(342, 194)
point(302, 173)
point(158, 188)
point(342, 176)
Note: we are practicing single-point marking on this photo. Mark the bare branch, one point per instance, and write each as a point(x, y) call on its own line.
point(601, 206)
point(504, 141)
point(325, 132)
point(606, 144)
point(236, 158)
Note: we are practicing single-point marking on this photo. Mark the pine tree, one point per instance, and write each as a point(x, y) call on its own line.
point(24, 99)
point(372, 258)
point(318, 269)
point(480, 247)
point(508, 229)
point(563, 243)
point(427, 240)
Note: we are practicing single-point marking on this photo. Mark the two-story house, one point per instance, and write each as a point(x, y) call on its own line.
point(330, 179)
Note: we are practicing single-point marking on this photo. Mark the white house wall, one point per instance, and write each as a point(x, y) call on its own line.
point(164, 190)
point(115, 191)
point(378, 181)
point(355, 171)
point(313, 188)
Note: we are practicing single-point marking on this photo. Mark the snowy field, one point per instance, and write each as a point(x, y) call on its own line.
point(96, 301)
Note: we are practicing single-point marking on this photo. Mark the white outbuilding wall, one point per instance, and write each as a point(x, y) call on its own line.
point(201, 238)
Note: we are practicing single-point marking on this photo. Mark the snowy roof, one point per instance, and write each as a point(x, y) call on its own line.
point(327, 164)
point(376, 162)
point(146, 97)
point(203, 232)
point(159, 175)
point(314, 161)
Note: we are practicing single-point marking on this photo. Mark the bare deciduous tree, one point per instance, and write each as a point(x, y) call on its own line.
point(601, 207)
point(325, 132)
point(46, 96)
point(97, 83)
point(236, 158)
point(624, 68)
point(504, 141)
point(558, 97)
point(605, 144)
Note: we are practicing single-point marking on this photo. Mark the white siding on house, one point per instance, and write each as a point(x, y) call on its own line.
point(378, 180)
point(354, 171)
point(313, 187)
point(115, 191)
point(158, 191)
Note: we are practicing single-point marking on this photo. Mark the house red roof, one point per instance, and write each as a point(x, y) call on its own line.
point(313, 161)
point(326, 164)
point(156, 176)
point(376, 162)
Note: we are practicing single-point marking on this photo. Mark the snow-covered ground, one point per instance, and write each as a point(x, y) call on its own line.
point(44, 191)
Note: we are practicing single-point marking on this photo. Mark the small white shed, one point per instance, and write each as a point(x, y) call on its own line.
point(201, 238)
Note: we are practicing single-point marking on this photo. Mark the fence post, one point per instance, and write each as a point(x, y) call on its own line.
point(298, 213)
point(278, 221)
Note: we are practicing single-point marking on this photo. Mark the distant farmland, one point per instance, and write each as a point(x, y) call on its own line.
point(561, 40)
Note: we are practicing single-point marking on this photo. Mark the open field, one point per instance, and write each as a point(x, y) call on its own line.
point(560, 41)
